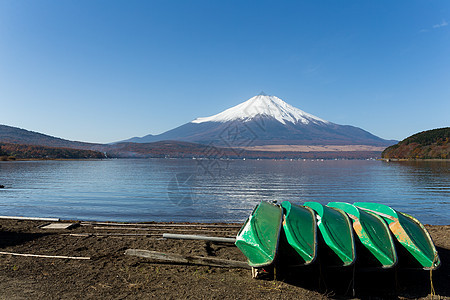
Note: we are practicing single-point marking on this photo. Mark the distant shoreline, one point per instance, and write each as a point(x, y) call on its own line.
point(314, 148)
point(413, 159)
point(215, 158)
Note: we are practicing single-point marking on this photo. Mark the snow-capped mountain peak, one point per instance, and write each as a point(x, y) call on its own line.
point(265, 106)
point(265, 120)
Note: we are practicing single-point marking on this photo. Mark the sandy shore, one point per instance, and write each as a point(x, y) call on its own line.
point(109, 274)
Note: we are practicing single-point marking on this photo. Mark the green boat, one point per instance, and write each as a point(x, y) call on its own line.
point(373, 233)
point(336, 231)
point(410, 233)
point(300, 229)
point(259, 236)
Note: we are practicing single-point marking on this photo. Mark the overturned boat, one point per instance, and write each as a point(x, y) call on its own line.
point(336, 233)
point(373, 233)
point(416, 245)
point(303, 234)
point(258, 239)
point(300, 232)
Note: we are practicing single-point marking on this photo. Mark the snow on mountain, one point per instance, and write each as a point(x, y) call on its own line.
point(263, 106)
point(265, 120)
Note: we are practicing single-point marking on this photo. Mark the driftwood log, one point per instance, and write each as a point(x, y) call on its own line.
point(195, 260)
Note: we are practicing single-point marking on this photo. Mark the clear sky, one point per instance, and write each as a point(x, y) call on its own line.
point(103, 71)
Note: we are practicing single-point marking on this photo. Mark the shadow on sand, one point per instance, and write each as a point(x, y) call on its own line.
point(11, 238)
point(350, 282)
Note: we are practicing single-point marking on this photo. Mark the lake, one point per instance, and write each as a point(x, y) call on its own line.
point(215, 190)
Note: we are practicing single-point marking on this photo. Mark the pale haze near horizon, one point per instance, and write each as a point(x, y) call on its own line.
point(104, 71)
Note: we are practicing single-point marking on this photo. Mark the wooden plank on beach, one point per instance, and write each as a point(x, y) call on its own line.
point(199, 237)
point(45, 256)
point(31, 218)
point(196, 260)
point(110, 234)
point(59, 226)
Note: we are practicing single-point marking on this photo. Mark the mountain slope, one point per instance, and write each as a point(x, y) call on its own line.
point(175, 149)
point(14, 135)
point(431, 144)
point(22, 143)
point(266, 120)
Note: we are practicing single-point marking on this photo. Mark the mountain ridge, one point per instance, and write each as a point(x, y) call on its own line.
point(265, 120)
point(260, 121)
point(15, 135)
point(38, 145)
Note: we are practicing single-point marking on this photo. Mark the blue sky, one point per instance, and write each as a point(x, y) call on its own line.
point(103, 71)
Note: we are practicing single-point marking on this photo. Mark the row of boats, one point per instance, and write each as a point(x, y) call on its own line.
point(341, 234)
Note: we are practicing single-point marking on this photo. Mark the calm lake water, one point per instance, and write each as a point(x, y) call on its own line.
point(215, 190)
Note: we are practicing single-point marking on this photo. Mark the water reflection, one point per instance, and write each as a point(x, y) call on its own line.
point(181, 190)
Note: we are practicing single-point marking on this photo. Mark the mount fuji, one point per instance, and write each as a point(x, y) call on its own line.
point(266, 120)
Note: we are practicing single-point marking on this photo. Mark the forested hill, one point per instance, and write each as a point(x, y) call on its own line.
point(431, 144)
point(18, 151)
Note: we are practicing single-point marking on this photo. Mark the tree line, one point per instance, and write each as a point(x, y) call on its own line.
point(20, 151)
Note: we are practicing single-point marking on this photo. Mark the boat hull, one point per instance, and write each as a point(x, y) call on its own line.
point(300, 232)
point(374, 235)
point(336, 233)
point(414, 239)
point(258, 238)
